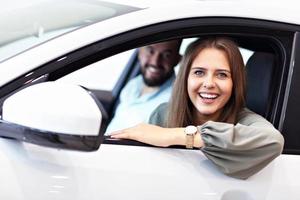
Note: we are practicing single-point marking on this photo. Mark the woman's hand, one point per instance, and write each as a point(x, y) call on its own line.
point(151, 134)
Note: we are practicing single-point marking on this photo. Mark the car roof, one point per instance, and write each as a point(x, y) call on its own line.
point(153, 13)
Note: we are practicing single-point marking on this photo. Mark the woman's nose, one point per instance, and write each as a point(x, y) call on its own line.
point(208, 82)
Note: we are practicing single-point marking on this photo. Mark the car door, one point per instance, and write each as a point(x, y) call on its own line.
point(127, 169)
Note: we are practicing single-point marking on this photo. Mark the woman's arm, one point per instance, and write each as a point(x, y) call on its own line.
point(155, 135)
point(239, 150)
point(243, 149)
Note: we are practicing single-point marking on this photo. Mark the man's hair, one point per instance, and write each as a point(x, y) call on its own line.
point(180, 109)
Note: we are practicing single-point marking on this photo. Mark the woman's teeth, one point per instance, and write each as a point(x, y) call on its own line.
point(208, 96)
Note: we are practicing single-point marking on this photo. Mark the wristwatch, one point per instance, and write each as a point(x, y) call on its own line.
point(190, 132)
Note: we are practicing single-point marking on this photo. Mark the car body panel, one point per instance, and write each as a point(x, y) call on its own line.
point(115, 172)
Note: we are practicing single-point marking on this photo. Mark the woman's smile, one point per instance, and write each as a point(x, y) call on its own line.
point(210, 82)
point(208, 98)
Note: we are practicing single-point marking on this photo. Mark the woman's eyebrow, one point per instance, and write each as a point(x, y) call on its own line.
point(224, 70)
point(218, 70)
point(196, 67)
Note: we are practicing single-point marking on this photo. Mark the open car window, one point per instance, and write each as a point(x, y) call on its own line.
point(102, 75)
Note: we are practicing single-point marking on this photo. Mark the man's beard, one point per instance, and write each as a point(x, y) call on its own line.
point(156, 81)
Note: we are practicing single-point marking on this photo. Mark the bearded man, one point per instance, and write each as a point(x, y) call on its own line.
point(153, 86)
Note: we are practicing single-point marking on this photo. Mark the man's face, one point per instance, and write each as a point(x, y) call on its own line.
point(158, 61)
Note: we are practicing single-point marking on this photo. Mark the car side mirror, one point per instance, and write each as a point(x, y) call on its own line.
point(54, 114)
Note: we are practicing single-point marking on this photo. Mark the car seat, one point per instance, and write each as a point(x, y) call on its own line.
point(259, 68)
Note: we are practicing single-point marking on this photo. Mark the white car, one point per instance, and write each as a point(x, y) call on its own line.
point(49, 129)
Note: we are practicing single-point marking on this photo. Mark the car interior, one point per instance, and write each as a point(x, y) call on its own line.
point(261, 68)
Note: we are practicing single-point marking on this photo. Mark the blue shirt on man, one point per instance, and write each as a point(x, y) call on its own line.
point(134, 108)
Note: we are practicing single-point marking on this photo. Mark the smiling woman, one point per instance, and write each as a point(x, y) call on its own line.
point(209, 84)
point(209, 93)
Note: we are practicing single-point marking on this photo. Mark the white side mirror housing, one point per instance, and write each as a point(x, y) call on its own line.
point(54, 107)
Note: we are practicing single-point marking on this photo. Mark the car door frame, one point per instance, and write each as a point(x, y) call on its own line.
point(281, 32)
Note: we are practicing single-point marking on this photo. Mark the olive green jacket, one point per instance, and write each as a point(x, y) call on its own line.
point(239, 150)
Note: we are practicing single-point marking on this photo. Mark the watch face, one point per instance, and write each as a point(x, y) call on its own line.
point(191, 130)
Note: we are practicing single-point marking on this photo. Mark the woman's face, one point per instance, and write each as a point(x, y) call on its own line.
point(209, 83)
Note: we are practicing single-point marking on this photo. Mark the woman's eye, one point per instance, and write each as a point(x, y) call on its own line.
point(199, 72)
point(222, 75)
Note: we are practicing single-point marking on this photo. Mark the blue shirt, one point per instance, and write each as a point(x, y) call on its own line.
point(134, 108)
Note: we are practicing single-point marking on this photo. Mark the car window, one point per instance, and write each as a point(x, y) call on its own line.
point(259, 105)
point(102, 75)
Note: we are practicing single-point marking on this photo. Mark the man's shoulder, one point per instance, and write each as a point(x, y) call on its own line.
point(132, 83)
point(135, 81)
point(166, 88)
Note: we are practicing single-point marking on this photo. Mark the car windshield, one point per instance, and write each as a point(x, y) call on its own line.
point(25, 24)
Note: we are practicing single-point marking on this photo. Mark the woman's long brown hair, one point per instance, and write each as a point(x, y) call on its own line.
point(180, 109)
